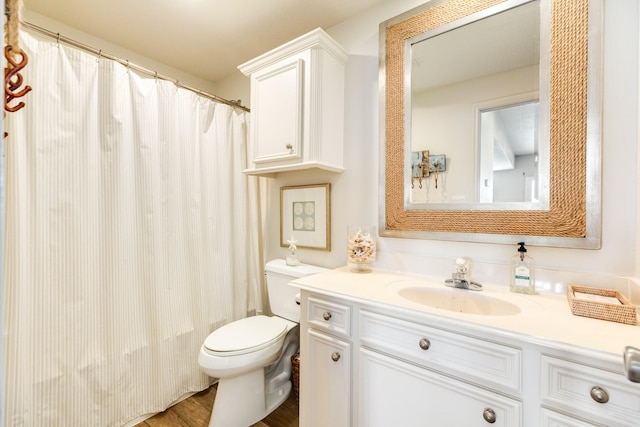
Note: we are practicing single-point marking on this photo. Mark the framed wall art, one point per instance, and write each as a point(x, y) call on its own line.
point(305, 216)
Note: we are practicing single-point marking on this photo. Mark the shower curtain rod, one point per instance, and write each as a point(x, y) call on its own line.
point(126, 63)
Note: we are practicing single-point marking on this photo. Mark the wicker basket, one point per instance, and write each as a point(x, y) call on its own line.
point(295, 375)
point(625, 312)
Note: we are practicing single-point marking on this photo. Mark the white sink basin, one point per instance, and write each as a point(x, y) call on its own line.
point(458, 300)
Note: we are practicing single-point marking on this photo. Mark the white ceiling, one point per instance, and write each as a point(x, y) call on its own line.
point(205, 38)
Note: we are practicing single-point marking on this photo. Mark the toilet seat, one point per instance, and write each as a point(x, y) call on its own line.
point(245, 336)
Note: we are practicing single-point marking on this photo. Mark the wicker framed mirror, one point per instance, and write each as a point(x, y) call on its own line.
point(572, 216)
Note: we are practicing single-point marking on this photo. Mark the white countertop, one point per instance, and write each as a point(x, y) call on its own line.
point(543, 318)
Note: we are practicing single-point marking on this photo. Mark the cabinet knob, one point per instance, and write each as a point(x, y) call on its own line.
point(489, 415)
point(289, 147)
point(424, 344)
point(335, 356)
point(600, 395)
point(326, 315)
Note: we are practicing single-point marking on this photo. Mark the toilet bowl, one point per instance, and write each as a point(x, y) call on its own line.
point(251, 357)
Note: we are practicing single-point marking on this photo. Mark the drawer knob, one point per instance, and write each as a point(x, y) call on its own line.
point(335, 356)
point(600, 395)
point(326, 315)
point(424, 344)
point(489, 415)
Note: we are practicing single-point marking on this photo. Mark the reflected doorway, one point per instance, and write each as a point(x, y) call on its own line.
point(508, 148)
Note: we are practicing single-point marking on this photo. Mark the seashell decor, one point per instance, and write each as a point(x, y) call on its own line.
point(361, 247)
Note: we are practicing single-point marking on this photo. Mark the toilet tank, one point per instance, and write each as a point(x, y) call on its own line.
point(282, 296)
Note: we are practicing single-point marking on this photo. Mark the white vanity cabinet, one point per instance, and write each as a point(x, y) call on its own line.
point(372, 365)
point(364, 368)
point(405, 365)
point(297, 106)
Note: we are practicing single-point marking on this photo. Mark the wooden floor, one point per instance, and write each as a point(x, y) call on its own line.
point(195, 411)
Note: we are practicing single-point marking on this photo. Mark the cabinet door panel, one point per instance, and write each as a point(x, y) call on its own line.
point(555, 419)
point(398, 393)
point(329, 382)
point(277, 114)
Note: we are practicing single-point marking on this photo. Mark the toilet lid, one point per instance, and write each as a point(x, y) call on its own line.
point(249, 334)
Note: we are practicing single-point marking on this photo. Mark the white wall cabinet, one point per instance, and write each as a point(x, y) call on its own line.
point(403, 368)
point(297, 106)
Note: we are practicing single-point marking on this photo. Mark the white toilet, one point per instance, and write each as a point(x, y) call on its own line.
point(252, 356)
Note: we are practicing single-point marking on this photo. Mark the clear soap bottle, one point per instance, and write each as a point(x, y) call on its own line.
point(523, 272)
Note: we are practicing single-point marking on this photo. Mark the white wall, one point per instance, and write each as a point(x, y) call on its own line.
point(355, 192)
point(510, 185)
point(236, 87)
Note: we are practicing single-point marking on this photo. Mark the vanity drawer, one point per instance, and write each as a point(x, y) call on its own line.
point(483, 362)
point(329, 316)
point(574, 387)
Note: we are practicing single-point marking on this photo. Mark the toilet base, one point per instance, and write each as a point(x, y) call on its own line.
point(245, 399)
point(230, 410)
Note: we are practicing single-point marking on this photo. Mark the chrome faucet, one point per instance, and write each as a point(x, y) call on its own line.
point(460, 279)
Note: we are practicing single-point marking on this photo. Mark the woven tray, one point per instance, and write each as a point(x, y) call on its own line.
point(625, 312)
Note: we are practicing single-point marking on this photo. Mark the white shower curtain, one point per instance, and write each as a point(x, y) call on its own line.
point(131, 233)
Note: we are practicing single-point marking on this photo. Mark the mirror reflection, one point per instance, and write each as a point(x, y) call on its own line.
point(508, 155)
point(475, 108)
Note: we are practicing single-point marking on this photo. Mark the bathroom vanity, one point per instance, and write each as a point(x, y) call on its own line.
point(385, 349)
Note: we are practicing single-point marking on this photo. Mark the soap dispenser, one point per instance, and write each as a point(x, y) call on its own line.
point(522, 272)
